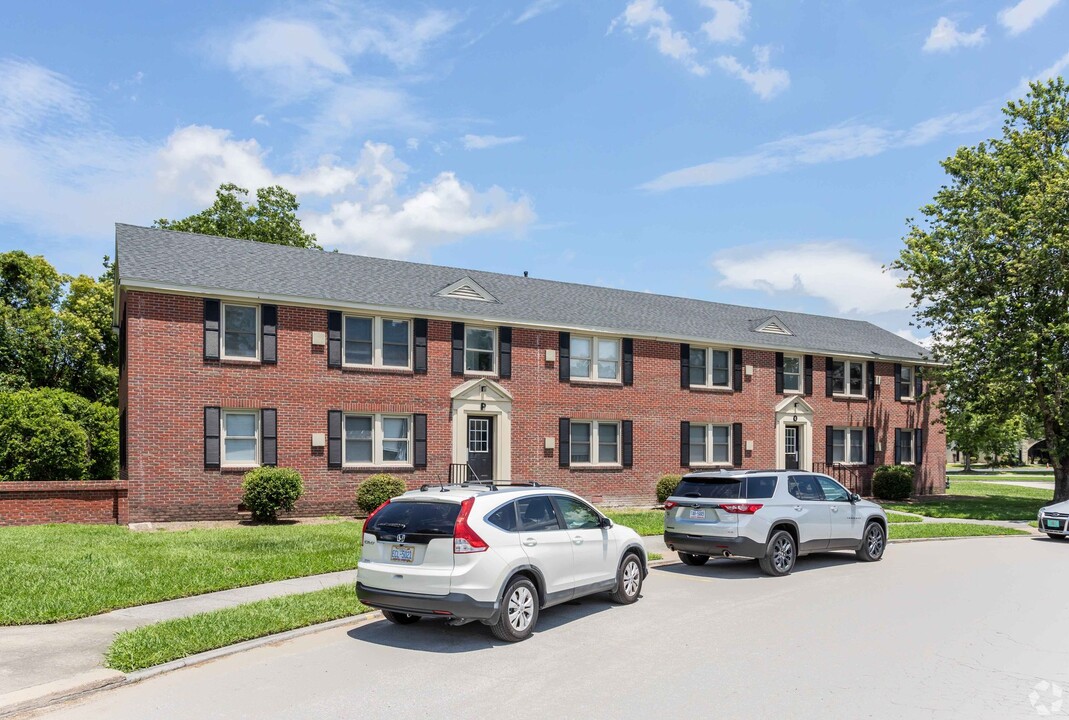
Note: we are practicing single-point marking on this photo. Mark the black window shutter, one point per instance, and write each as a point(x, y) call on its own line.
point(684, 365)
point(918, 383)
point(684, 443)
point(211, 329)
point(269, 437)
point(898, 446)
point(870, 445)
point(333, 338)
point(808, 374)
point(626, 444)
point(458, 348)
point(269, 325)
point(564, 352)
point(334, 438)
point(779, 373)
point(629, 361)
point(504, 352)
point(829, 380)
point(898, 381)
point(871, 366)
point(829, 445)
point(419, 350)
point(918, 446)
point(565, 445)
point(419, 440)
point(736, 444)
point(738, 370)
point(212, 416)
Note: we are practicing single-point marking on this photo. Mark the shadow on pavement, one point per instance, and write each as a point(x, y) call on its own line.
point(743, 569)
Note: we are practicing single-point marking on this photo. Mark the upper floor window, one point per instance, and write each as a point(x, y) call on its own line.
point(479, 349)
point(377, 440)
point(241, 331)
point(792, 373)
point(595, 443)
point(848, 445)
point(710, 444)
point(241, 437)
point(848, 378)
point(710, 367)
point(594, 358)
point(905, 381)
point(377, 341)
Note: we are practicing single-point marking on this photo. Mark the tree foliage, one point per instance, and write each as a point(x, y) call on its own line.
point(975, 431)
point(989, 269)
point(272, 218)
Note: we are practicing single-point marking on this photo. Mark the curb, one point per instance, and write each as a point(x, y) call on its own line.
point(38, 696)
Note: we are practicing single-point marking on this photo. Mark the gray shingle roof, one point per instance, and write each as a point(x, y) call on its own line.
point(150, 257)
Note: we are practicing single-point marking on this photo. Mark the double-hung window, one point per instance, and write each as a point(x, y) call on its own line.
point(595, 443)
point(241, 332)
point(905, 382)
point(479, 349)
point(710, 444)
point(848, 378)
point(906, 454)
point(792, 373)
point(241, 438)
point(710, 367)
point(848, 445)
point(377, 439)
point(594, 358)
point(377, 341)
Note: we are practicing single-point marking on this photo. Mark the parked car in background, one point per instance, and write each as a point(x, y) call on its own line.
point(771, 515)
point(1054, 520)
point(497, 555)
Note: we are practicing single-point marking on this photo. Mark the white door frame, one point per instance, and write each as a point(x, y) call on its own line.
point(482, 396)
point(794, 410)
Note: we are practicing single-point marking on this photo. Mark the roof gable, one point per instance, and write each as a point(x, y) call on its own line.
point(466, 289)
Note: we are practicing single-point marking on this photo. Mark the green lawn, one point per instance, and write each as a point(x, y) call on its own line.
point(934, 530)
point(1018, 477)
point(173, 639)
point(50, 573)
point(980, 501)
point(644, 522)
point(893, 517)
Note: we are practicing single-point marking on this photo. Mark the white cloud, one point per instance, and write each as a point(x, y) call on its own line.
point(1058, 68)
point(294, 56)
point(925, 341)
point(1024, 14)
point(261, 119)
point(851, 281)
point(729, 19)
point(671, 43)
point(762, 78)
point(401, 40)
point(483, 142)
point(928, 130)
point(945, 37)
point(536, 8)
point(29, 92)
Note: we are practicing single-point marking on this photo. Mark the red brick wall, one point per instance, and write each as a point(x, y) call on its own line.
point(35, 503)
point(167, 384)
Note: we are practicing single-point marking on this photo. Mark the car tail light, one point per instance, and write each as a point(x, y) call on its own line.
point(668, 504)
point(466, 540)
point(373, 514)
point(741, 508)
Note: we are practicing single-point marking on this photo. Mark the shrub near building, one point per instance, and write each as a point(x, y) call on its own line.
point(376, 490)
point(892, 482)
point(267, 490)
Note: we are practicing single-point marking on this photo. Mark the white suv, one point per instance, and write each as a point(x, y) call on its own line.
point(493, 554)
point(771, 515)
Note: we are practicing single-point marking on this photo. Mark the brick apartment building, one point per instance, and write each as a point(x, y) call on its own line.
point(237, 353)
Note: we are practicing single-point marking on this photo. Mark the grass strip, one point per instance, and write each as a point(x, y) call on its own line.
point(893, 517)
point(174, 639)
point(938, 530)
point(654, 556)
point(980, 501)
point(644, 522)
point(50, 573)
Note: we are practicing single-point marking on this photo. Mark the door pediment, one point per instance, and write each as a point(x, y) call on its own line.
point(481, 390)
point(789, 403)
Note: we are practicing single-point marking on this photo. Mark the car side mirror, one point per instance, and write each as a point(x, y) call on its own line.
point(605, 523)
point(854, 497)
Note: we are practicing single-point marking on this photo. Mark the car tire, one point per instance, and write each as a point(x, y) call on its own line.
point(780, 554)
point(1052, 536)
point(400, 618)
point(873, 543)
point(519, 611)
point(692, 559)
point(628, 580)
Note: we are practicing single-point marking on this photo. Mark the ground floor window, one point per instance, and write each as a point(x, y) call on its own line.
point(241, 437)
point(595, 443)
point(848, 445)
point(710, 444)
point(377, 439)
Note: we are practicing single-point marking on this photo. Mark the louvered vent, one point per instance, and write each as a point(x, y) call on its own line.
point(466, 292)
point(773, 326)
point(467, 289)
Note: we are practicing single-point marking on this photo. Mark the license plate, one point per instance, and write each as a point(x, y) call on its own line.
point(402, 553)
point(1054, 523)
point(696, 514)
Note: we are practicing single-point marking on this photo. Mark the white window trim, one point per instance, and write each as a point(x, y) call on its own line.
point(593, 376)
point(847, 432)
point(863, 395)
point(801, 375)
point(595, 449)
point(708, 350)
point(709, 444)
point(493, 351)
point(376, 341)
point(912, 369)
point(912, 433)
point(377, 439)
point(222, 333)
point(223, 437)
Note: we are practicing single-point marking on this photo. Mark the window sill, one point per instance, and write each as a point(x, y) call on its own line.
point(799, 393)
point(711, 389)
point(711, 466)
point(238, 361)
point(378, 468)
point(595, 381)
point(594, 467)
point(238, 468)
point(909, 400)
point(843, 396)
point(850, 464)
point(378, 369)
point(477, 373)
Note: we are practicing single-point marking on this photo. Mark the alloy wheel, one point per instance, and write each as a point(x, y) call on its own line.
point(631, 578)
point(520, 608)
point(783, 554)
point(875, 541)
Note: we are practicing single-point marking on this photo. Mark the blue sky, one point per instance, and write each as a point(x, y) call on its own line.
point(744, 152)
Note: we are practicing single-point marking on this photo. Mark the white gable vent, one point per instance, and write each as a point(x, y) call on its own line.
point(773, 326)
point(467, 289)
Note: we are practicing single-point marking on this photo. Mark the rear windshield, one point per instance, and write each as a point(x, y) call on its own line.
point(418, 518)
point(748, 488)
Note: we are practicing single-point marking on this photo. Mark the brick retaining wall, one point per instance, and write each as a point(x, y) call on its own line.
point(59, 501)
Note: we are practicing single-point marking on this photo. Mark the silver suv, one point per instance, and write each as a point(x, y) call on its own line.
point(771, 515)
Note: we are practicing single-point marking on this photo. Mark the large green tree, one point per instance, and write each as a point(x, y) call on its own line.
point(988, 269)
point(272, 218)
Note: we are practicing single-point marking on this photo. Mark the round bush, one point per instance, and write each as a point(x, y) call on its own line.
point(666, 486)
point(892, 482)
point(39, 441)
point(270, 489)
point(377, 489)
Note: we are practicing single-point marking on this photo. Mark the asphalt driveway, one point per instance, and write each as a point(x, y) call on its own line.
point(952, 629)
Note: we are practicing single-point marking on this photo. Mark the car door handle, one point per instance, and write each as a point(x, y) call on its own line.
point(530, 542)
point(578, 540)
point(834, 509)
point(798, 508)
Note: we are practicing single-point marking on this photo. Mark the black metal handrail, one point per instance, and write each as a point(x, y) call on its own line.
point(854, 478)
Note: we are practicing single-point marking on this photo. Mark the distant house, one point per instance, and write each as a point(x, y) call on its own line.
point(237, 354)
